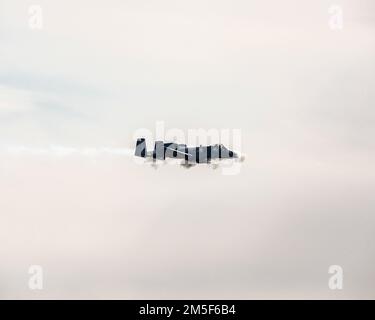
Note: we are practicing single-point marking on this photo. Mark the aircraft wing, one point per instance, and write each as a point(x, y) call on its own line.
point(187, 154)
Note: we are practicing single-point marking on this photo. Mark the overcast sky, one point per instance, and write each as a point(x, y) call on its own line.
point(103, 226)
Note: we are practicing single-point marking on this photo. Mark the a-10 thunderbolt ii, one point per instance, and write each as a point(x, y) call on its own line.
point(188, 156)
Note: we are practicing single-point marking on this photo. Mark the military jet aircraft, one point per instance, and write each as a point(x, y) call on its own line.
point(189, 156)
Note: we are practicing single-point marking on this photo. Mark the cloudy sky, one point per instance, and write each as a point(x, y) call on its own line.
point(102, 226)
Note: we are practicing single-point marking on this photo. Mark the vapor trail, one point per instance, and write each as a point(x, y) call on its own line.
point(65, 151)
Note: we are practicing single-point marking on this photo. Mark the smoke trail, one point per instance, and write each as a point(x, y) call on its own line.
point(65, 151)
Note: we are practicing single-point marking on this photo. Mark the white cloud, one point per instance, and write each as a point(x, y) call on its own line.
point(16, 100)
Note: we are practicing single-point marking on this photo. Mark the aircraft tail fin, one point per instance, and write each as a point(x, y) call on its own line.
point(140, 148)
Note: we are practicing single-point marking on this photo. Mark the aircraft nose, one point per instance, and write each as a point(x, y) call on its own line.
point(233, 155)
